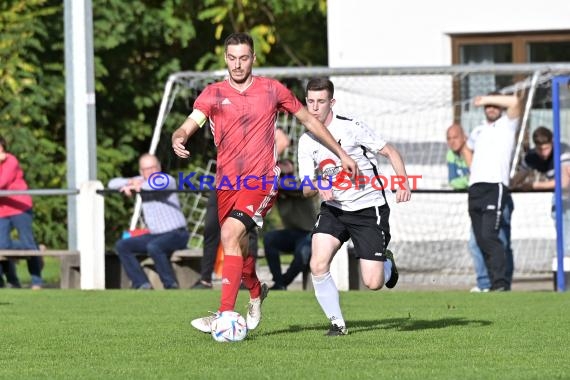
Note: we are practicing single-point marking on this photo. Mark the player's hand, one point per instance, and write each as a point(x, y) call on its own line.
point(325, 189)
point(179, 138)
point(403, 194)
point(350, 166)
point(178, 142)
point(478, 101)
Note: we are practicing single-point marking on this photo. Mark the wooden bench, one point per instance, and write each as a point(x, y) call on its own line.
point(186, 265)
point(64, 255)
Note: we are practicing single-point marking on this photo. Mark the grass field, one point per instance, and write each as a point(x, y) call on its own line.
point(55, 334)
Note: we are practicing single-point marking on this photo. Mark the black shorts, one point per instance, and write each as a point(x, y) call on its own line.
point(369, 229)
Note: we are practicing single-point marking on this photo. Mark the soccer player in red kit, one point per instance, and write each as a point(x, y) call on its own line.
point(242, 112)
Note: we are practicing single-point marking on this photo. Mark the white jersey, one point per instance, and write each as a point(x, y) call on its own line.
point(316, 160)
point(492, 145)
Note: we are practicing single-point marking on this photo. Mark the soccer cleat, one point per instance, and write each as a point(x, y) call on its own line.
point(204, 324)
point(337, 330)
point(394, 274)
point(254, 308)
point(477, 289)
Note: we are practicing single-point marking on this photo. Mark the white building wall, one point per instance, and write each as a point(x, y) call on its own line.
point(374, 33)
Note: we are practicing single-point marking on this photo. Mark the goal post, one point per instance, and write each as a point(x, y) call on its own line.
point(561, 126)
point(411, 107)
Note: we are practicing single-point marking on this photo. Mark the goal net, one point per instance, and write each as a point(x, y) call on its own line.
point(412, 109)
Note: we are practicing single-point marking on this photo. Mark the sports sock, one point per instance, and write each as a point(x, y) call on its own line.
point(327, 296)
point(231, 276)
point(249, 277)
point(387, 271)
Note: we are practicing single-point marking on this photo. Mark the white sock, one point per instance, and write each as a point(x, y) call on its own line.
point(387, 271)
point(327, 296)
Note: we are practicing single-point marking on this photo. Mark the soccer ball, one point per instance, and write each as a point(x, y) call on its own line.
point(229, 326)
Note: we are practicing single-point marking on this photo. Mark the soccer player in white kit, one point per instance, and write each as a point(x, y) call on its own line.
point(351, 208)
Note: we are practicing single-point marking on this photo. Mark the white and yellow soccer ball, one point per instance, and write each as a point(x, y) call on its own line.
point(229, 326)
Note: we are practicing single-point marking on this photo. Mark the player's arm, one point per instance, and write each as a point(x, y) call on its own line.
point(519, 181)
point(467, 154)
point(179, 138)
point(566, 177)
point(404, 193)
point(282, 141)
point(551, 183)
point(512, 103)
point(324, 136)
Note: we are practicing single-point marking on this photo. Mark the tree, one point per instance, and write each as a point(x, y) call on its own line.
point(278, 35)
point(138, 44)
point(28, 93)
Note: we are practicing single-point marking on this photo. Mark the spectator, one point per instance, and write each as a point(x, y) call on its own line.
point(541, 159)
point(488, 153)
point(163, 218)
point(8, 268)
point(16, 213)
point(458, 177)
point(298, 216)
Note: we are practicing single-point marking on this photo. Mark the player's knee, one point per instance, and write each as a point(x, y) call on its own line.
point(231, 234)
point(319, 268)
point(373, 284)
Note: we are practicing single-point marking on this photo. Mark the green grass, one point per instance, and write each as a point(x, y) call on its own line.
point(392, 334)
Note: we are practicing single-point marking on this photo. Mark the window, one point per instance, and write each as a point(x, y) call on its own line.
point(520, 47)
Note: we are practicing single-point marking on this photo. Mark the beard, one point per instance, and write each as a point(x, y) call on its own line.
point(239, 77)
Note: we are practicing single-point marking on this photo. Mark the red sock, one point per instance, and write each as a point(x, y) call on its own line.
point(249, 277)
point(231, 276)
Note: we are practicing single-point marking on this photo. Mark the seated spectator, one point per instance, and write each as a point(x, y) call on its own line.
point(163, 218)
point(541, 159)
point(298, 215)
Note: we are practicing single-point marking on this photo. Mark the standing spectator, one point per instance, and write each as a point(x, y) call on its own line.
point(458, 178)
point(298, 216)
point(356, 210)
point(541, 159)
point(16, 213)
point(8, 268)
point(242, 111)
point(163, 218)
point(488, 153)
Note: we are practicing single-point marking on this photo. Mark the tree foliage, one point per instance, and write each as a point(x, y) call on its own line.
point(30, 91)
point(138, 44)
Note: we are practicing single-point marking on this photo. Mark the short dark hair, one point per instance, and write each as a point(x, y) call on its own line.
point(238, 39)
point(320, 84)
point(541, 136)
point(3, 143)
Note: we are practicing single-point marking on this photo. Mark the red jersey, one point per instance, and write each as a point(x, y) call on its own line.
point(243, 125)
point(12, 178)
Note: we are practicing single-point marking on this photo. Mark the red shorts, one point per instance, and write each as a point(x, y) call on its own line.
point(255, 202)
